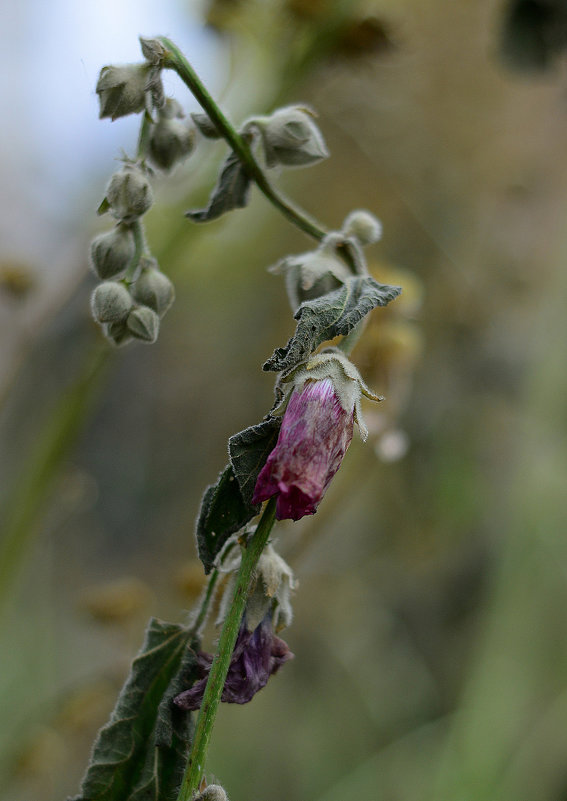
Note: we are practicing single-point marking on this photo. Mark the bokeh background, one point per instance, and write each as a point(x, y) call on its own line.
point(431, 618)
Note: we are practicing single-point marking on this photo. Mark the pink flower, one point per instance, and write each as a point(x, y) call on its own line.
point(257, 655)
point(315, 433)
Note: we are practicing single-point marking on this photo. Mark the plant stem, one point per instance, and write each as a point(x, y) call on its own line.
point(251, 553)
point(175, 60)
point(32, 487)
point(143, 136)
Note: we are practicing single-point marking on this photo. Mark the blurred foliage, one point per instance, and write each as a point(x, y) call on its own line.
point(429, 632)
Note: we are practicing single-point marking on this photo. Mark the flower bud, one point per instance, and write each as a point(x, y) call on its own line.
point(129, 193)
point(321, 399)
point(291, 138)
point(110, 302)
point(118, 333)
point(143, 324)
point(122, 89)
point(214, 792)
point(170, 140)
point(111, 253)
point(362, 226)
point(310, 275)
point(154, 289)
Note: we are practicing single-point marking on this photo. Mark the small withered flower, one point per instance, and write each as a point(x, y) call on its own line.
point(271, 591)
point(257, 655)
point(321, 399)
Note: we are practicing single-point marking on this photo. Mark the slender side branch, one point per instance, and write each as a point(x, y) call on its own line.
point(251, 553)
point(175, 60)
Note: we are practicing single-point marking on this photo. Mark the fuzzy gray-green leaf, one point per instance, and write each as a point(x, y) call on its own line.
point(223, 511)
point(142, 750)
point(205, 125)
point(231, 192)
point(331, 315)
point(249, 450)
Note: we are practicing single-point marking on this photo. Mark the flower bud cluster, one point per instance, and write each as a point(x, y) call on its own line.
point(129, 308)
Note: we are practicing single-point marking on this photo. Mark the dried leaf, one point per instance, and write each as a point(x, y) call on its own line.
point(231, 192)
point(331, 315)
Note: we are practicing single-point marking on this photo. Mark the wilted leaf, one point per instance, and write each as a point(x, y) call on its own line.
point(206, 126)
point(142, 751)
point(249, 450)
point(231, 192)
point(223, 511)
point(331, 315)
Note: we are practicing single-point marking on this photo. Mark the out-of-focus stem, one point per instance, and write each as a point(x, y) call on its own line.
point(33, 487)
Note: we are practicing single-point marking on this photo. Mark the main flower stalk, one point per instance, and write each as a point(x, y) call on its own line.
point(219, 669)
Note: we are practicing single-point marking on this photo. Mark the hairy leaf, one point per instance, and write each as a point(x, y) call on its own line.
point(140, 754)
point(223, 511)
point(231, 192)
point(205, 125)
point(331, 315)
point(249, 450)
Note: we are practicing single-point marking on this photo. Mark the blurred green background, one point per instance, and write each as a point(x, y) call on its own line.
point(430, 621)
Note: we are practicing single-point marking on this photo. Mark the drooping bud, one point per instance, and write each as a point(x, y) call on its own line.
point(153, 289)
point(143, 324)
point(291, 138)
point(170, 140)
point(112, 252)
point(321, 399)
point(362, 226)
point(214, 792)
point(110, 302)
point(129, 194)
point(122, 89)
point(312, 274)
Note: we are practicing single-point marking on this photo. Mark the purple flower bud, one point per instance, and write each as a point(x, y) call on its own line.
point(315, 433)
point(257, 655)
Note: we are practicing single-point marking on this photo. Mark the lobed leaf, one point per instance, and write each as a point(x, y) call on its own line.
point(142, 751)
point(331, 315)
point(232, 191)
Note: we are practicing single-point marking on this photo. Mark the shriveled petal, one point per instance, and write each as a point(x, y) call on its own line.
point(314, 436)
point(257, 655)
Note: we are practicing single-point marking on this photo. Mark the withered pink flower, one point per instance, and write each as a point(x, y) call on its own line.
point(315, 433)
point(257, 655)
